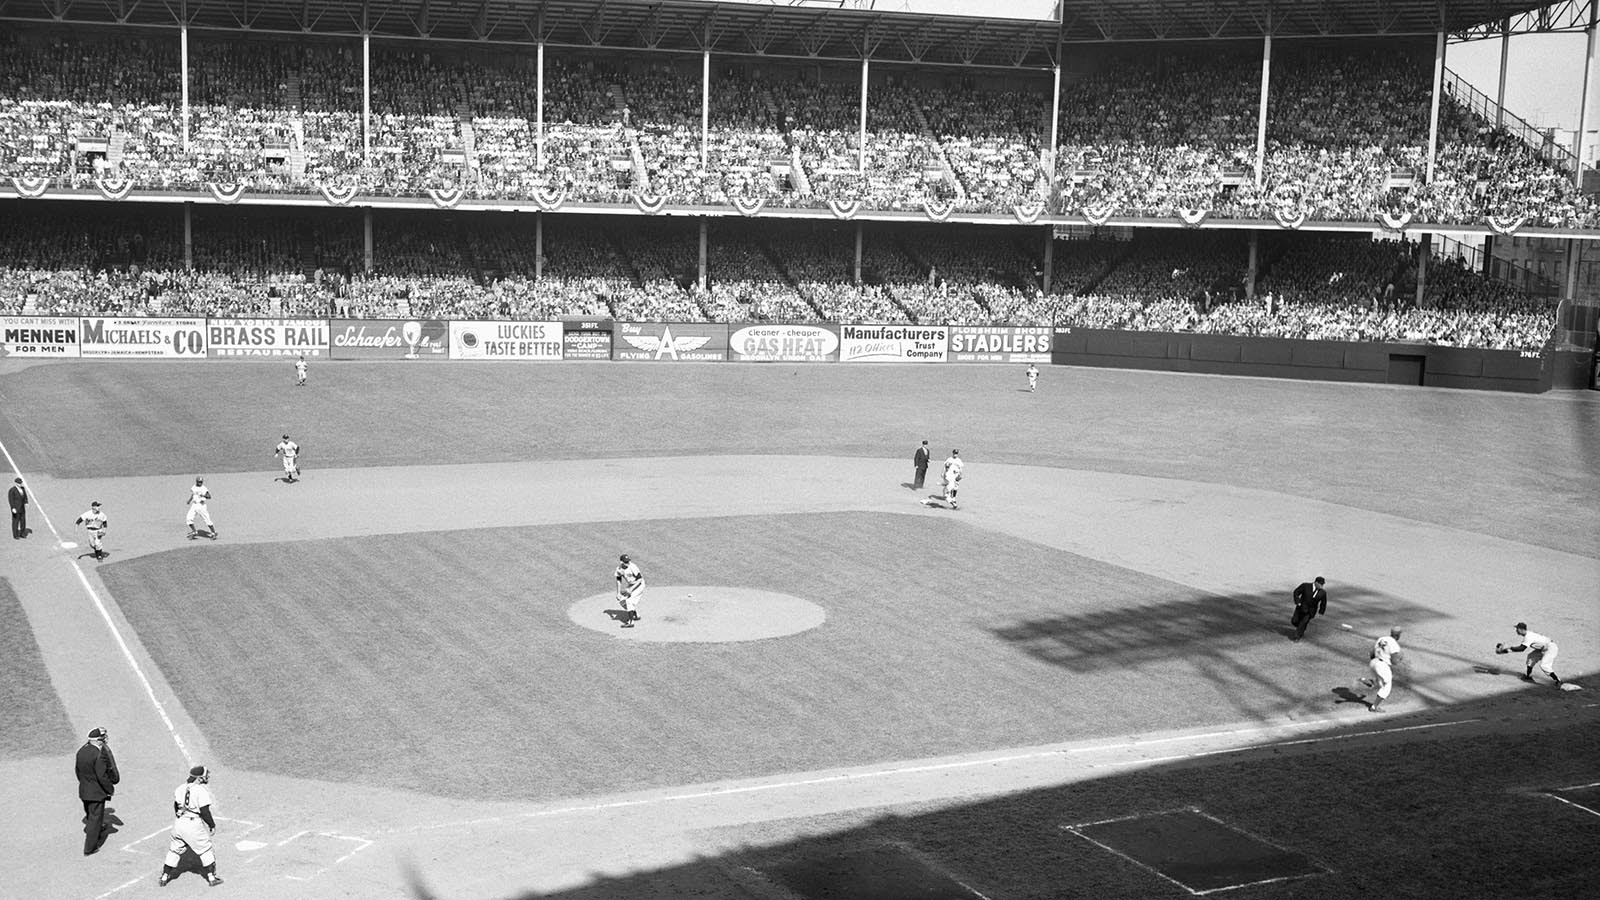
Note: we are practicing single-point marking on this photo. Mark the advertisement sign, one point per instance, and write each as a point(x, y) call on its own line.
point(894, 343)
point(132, 338)
point(970, 343)
point(671, 342)
point(506, 340)
point(784, 343)
point(586, 338)
point(389, 339)
point(266, 337)
point(45, 337)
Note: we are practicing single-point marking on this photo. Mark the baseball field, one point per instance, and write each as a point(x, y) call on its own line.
point(408, 673)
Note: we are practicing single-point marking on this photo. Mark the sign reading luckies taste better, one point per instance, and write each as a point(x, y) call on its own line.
point(506, 340)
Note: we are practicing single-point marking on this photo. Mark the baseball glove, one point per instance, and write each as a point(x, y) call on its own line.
point(1501, 648)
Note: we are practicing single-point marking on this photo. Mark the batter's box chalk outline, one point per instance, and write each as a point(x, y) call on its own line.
point(360, 842)
point(221, 820)
point(1321, 867)
point(764, 878)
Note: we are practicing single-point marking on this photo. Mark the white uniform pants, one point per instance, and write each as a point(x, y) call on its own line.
point(198, 509)
point(190, 832)
point(1383, 674)
point(1545, 659)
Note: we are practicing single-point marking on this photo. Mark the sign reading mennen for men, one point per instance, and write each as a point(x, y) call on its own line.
point(894, 343)
point(505, 340)
point(388, 339)
point(266, 337)
point(143, 338)
point(48, 337)
point(670, 342)
point(784, 343)
point(971, 343)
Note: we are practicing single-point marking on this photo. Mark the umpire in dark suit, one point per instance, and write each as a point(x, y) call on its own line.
point(920, 461)
point(18, 498)
point(1310, 601)
point(97, 781)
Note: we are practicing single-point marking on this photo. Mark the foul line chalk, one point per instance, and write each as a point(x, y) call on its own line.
point(94, 596)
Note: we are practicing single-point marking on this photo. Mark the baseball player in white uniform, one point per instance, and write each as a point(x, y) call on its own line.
point(95, 522)
point(1033, 377)
point(630, 589)
point(191, 803)
point(198, 495)
point(290, 451)
point(300, 371)
point(1541, 651)
point(953, 469)
point(1384, 653)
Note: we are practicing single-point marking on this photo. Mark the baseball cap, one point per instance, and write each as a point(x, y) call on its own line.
point(97, 733)
point(95, 503)
point(286, 436)
point(624, 557)
point(1521, 625)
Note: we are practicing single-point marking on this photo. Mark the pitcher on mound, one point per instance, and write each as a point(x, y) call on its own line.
point(630, 589)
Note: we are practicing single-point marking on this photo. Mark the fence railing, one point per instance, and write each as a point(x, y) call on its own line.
point(1483, 105)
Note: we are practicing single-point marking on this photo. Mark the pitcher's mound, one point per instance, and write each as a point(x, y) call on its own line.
point(701, 614)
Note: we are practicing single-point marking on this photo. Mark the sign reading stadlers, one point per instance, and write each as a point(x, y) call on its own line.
point(784, 343)
point(49, 337)
point(893, 343)
point(972, 343)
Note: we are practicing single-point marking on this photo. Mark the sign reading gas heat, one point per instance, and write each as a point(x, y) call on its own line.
point(505, 340)
point(671, 341)
point(45, 337)
point(143, 338)
point(267, 337)
point(893, 343)
point(388, 339)
point(784, 343)
point(970, 343)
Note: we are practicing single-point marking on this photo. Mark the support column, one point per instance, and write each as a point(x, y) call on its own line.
point(1424, 250)
point(538, 135)
point(1261, 115)
point(366, 118)
point(538, 246)
point(1055, 112)
point(858, 255)
point(1433, 109)
point(1505, 57)
point(701, 278)
point(366, 240)
point(861, 163)
point(705, 111)
point(1574, 257)
point(1583, 98)
point(1250, 276)
point(188, 237)
point(183, 74)
point(1488, 256)
point(1049, 258)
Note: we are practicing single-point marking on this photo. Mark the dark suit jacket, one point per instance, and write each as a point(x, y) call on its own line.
point(1312, 599)
point(17, 497)
point(921, 458)
point(97, 773)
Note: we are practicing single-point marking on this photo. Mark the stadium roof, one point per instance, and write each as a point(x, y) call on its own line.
point(814, 30)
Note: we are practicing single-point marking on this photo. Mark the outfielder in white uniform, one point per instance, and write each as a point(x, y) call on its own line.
point(300, 372)
point(198, 495)
point(1033, 377)
point(630, 589)
point(1541, 650)
point(1384, 652)
point(95, 522)
point(191, 803)
point(290, 451)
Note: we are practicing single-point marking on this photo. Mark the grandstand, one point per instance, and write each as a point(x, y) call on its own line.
point(1011, 138)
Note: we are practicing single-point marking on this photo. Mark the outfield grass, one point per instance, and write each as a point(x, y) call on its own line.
point(411, 660)
point(1518, 467)
point(35, 724)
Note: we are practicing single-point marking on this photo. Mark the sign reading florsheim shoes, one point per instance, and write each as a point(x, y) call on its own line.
point(389, 339)
point(894, 343)
point(670, 342)
point(784, 343)
point(45, 337)
point(267, 337)
point(972, 343)
point(129, 338)
point(506, 340)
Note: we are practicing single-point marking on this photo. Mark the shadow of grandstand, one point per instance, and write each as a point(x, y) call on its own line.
point(1441, 787)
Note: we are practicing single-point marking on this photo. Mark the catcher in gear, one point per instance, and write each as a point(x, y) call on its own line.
point(191, 803)
point(1541, 650)
point(630, 589)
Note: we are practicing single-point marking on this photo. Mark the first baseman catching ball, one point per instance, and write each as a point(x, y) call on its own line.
point(1541, 650)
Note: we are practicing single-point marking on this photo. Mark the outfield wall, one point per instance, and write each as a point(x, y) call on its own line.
point(114, 337)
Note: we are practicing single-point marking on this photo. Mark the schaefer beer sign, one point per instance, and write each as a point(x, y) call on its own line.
point(784, 343)
point(39, 337)
point(996, 344)
point(894, 343)
point(267, 337)
point(389, 339)
point(143, 338)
